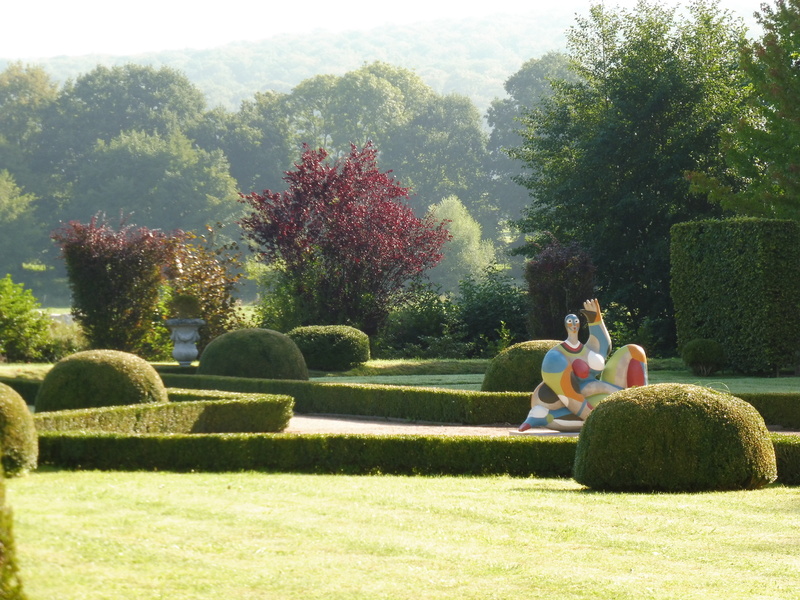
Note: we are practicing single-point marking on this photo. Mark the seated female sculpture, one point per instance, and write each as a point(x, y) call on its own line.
point(575, 376)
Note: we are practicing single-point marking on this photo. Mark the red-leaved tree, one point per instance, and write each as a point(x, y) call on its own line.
point(342, 239)
point(560, 277)
point(114, 276)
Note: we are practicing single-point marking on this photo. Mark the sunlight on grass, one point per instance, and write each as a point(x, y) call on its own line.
point(252, 535)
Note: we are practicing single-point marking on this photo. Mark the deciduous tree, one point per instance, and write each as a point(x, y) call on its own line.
point(115, 278)
point(606, 157)
point(342, 239)
point(762, 150)
point(467, 253)
point(162, 180)
point(560, 277)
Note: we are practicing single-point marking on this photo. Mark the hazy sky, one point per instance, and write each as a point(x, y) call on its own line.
point(48, 28)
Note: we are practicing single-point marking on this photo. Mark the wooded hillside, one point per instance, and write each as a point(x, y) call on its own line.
point(436, 51)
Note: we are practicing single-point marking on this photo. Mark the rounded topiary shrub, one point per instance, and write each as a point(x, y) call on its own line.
point(331, 347)
point(10, 583)
point(18, 437)
point(703, 357)
point(518, 368)
point(674, 437)
point(258, 353)
point(99, 378)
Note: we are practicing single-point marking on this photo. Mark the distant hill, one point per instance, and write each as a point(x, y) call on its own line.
point(469, 56)
point(472, 57)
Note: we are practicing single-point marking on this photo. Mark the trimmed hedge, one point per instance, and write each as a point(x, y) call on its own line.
point(787, 455)
point(517, 456)
point(518, 368)
point(10, 582)
point(27, 388)
point(433, 404)
point(703, 357)
point(331, 347)
point(779, 409)
point(17, 434)
point(252, 352)
point(735, 281)
point(250, 413)
point(96, 378)
point(401, 402)
point(676, 438)
point(520, 456)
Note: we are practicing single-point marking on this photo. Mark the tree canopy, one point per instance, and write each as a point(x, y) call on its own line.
point(762, 149)
point(342, 239)
point(606, 156)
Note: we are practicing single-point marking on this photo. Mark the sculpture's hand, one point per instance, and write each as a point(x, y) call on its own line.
point(591, 310)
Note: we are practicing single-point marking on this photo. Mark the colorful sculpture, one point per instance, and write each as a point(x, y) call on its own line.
point(575, 376)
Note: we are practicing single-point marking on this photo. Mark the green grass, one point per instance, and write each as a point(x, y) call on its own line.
point(249, 535)
point(418, 366)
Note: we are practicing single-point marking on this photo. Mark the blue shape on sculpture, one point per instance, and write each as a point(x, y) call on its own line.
point(576, 376)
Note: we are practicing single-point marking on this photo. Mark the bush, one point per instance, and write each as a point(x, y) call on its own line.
point(99, 378)
point(24, 330)
point(674, 437)
point(66, 338)
point(202, 280)
point(519, 456)
point(10, 583)
point(425, 325)
point(222, 413)
point(392, 401)
point(17, 434)
point(730, 281)
point(331, 347)
point(518, 368)
point(703, 357)
point(492, 309)
point(261, 353)
point(115, 278)
point(560, 277)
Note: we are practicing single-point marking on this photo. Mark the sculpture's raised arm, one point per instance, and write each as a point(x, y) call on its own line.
point(599, 340)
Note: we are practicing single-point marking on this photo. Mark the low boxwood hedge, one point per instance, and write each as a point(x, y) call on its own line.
point(401, 402)
point(251, 413)
point(780, 409)
point(27, 388)
point(354, 454)
point(517, 456)
point(787, 455)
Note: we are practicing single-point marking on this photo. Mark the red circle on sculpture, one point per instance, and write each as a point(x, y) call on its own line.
point(580, 368)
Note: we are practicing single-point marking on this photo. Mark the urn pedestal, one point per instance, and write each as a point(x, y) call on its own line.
point(184, 336)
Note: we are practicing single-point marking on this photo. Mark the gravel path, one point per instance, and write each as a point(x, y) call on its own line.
point(376, 426)
point(383, 426)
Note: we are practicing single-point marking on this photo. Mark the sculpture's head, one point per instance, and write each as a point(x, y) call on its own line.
point(572, 323)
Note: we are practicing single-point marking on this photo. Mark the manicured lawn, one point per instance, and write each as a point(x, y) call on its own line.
point(249, 535)
point(255, 535)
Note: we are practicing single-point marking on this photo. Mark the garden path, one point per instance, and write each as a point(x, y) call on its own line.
point(348, 424)
point(353, 424)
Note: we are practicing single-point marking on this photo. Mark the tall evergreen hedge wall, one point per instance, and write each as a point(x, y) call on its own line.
point(737, 281)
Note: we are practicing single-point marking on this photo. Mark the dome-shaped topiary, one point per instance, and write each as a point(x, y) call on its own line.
point(258, 353)
point(331, 347)
point(18, 437)
point(674, 437)
point(99, 378)
point(518, 368)
point(10, 583)
point(703, 357)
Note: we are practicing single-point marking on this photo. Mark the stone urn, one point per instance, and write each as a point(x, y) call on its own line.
point(184, 335)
